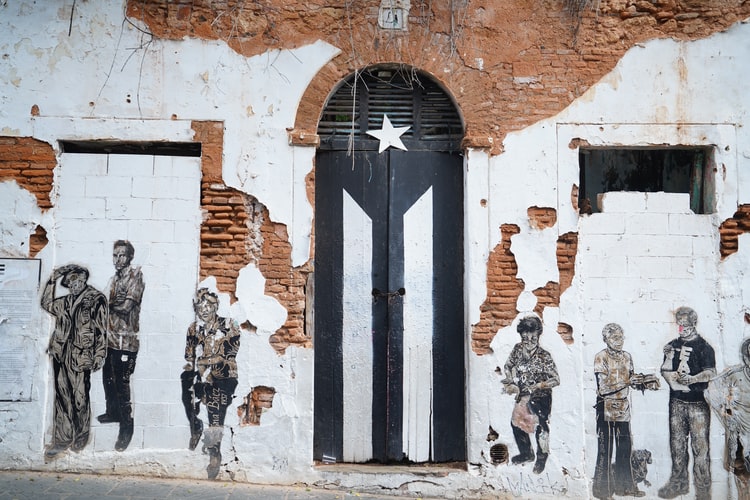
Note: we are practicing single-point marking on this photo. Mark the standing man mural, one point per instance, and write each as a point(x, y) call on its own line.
point(613, 368)
point(729, 396)
point(78, 346)
point(530, 375)
point(125, 295)
point(689, 364)
point(211, 349)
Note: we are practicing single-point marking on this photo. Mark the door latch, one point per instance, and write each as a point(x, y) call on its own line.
point(389, 295)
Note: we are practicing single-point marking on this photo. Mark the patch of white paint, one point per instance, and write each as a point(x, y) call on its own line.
point(357, 332)
point(261, 310)
point(535, 256)
point(20, 216)
point(418, 391)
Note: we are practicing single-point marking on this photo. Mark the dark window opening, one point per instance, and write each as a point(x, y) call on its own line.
point(671, 170)
point(152, 148)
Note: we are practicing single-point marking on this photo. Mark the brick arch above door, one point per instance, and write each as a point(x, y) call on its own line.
point(328, 80)
point(410, 98)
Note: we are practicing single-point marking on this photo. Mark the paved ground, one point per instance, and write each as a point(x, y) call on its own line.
point(48, 486)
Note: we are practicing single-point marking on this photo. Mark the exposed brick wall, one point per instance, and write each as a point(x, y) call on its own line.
point(503, 288)
point(542, 217)
point(567, 248)
point(31, 163)
point(237, 231)
point(547, 296)
point(37, 241)
point(566, 332)
point(224, 230)
point(730, 230)
point(260, 398)
point(511, 66)
point(287, 284)
point(224, 234)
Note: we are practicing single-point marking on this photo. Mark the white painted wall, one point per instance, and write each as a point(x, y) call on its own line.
point(109, 80)
point(640, 259)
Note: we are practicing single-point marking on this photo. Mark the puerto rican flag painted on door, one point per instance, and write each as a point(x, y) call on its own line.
point(388, 307)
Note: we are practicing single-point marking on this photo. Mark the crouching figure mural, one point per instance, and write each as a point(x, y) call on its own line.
point(613, 368)
point(210, 375)
point(78, 346)
point(729, 396)
point(530, 375)
point(689, 364)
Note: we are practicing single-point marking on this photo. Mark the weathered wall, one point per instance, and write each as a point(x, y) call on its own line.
point(249, 83)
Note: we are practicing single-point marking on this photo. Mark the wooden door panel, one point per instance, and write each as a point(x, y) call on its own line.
point(382, 217)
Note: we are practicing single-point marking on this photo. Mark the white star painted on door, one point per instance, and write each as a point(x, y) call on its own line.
point(389, 135)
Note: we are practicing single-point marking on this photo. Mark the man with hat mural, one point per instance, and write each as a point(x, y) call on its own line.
point(78, 346)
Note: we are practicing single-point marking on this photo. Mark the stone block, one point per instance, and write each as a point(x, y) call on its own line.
point(165, 437)
point(690, 224)
point(668, 202)
point(166, 188)
point(128, 208)
point(648, 267)
point(78, 165)
point(174, 166)
point(143, 232)
point(602, 223)
point(660, 245)
point(105, 185)
point(121, 165)
point(647, 223)
point(603, 266)
point(182, 210)
point(81, 208)
point(622, 202)
point(156, 390)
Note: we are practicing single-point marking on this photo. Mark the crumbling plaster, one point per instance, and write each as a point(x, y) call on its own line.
point(536, 168)
point(708, 107)
point(507, 66)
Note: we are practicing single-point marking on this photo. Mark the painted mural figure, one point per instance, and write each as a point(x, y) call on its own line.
point(125, 295)
point(729, 396)
point(78, 346)
point(689, 364)
point(210, 374)
point(615, 376)
point(530, 375)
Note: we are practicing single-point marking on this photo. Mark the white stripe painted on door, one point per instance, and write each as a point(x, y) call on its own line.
point(418, 329)
point(357, 332)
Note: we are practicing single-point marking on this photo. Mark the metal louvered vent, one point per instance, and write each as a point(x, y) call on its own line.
point(409, 98)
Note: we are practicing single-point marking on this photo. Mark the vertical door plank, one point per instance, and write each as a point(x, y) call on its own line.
point(357, 332)
point(418, 329)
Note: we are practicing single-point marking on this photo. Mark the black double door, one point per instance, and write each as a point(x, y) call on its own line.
point(389, 314)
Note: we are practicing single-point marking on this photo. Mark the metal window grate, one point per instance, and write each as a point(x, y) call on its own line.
point(409, 98)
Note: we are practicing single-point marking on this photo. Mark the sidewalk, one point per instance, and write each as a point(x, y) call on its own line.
point(23, 485)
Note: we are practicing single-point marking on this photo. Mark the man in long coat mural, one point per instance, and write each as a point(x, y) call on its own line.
point(78, 346)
